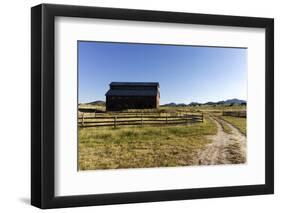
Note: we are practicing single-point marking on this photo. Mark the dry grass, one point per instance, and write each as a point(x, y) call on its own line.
point(225, 127)
point(142, 147)
point(239, 123)
point(234, 154)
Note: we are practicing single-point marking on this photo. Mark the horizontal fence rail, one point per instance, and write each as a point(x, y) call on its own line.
point(241, 114)
point(121, 120)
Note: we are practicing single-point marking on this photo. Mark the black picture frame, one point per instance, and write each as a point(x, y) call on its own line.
point(43, 101)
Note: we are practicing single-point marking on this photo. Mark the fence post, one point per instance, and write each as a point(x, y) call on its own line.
point(141, 119)
point(202, 118)
point(83, 119)
point(115, 118)
point(166, 119)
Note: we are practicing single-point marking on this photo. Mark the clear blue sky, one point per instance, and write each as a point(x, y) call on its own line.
point(185, 73)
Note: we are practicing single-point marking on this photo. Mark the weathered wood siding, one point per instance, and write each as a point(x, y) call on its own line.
point(116, 103)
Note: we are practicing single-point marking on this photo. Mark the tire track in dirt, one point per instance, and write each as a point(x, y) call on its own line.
point(225, 148)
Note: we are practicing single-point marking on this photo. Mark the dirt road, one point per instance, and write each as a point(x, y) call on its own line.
point(225, 148)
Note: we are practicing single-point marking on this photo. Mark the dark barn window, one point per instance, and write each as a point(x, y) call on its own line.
point(132, 95)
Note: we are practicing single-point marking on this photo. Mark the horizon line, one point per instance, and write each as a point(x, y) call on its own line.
point(177, 102)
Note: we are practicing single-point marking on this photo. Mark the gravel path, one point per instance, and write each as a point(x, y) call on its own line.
point(225, 148)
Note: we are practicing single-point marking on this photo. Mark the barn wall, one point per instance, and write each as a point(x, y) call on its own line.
point(115, 103)
point(157, 100)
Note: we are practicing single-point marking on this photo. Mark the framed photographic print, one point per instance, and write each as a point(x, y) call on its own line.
point(139, 106)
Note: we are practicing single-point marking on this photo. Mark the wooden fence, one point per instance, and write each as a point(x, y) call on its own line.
point(241, 114)
point(99, 120)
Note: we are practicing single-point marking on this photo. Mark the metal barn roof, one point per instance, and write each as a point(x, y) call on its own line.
point(118, 92)
point(134, 84)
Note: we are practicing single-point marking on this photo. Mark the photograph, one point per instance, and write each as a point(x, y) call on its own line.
point(120, 97)
point(160, 105)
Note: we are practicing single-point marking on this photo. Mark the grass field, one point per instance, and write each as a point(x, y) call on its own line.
point(152, 146)
point(142, 147)
point(239, 123)
point(169, 109)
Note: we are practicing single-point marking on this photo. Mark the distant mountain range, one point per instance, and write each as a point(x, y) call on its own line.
point(233, 101)
point(97, 103)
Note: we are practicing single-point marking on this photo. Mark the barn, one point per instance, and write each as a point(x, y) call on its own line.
point(132, 95)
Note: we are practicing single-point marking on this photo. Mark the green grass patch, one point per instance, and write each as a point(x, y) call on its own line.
point(142, 146)
point(224, 125)
point(239, 123)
